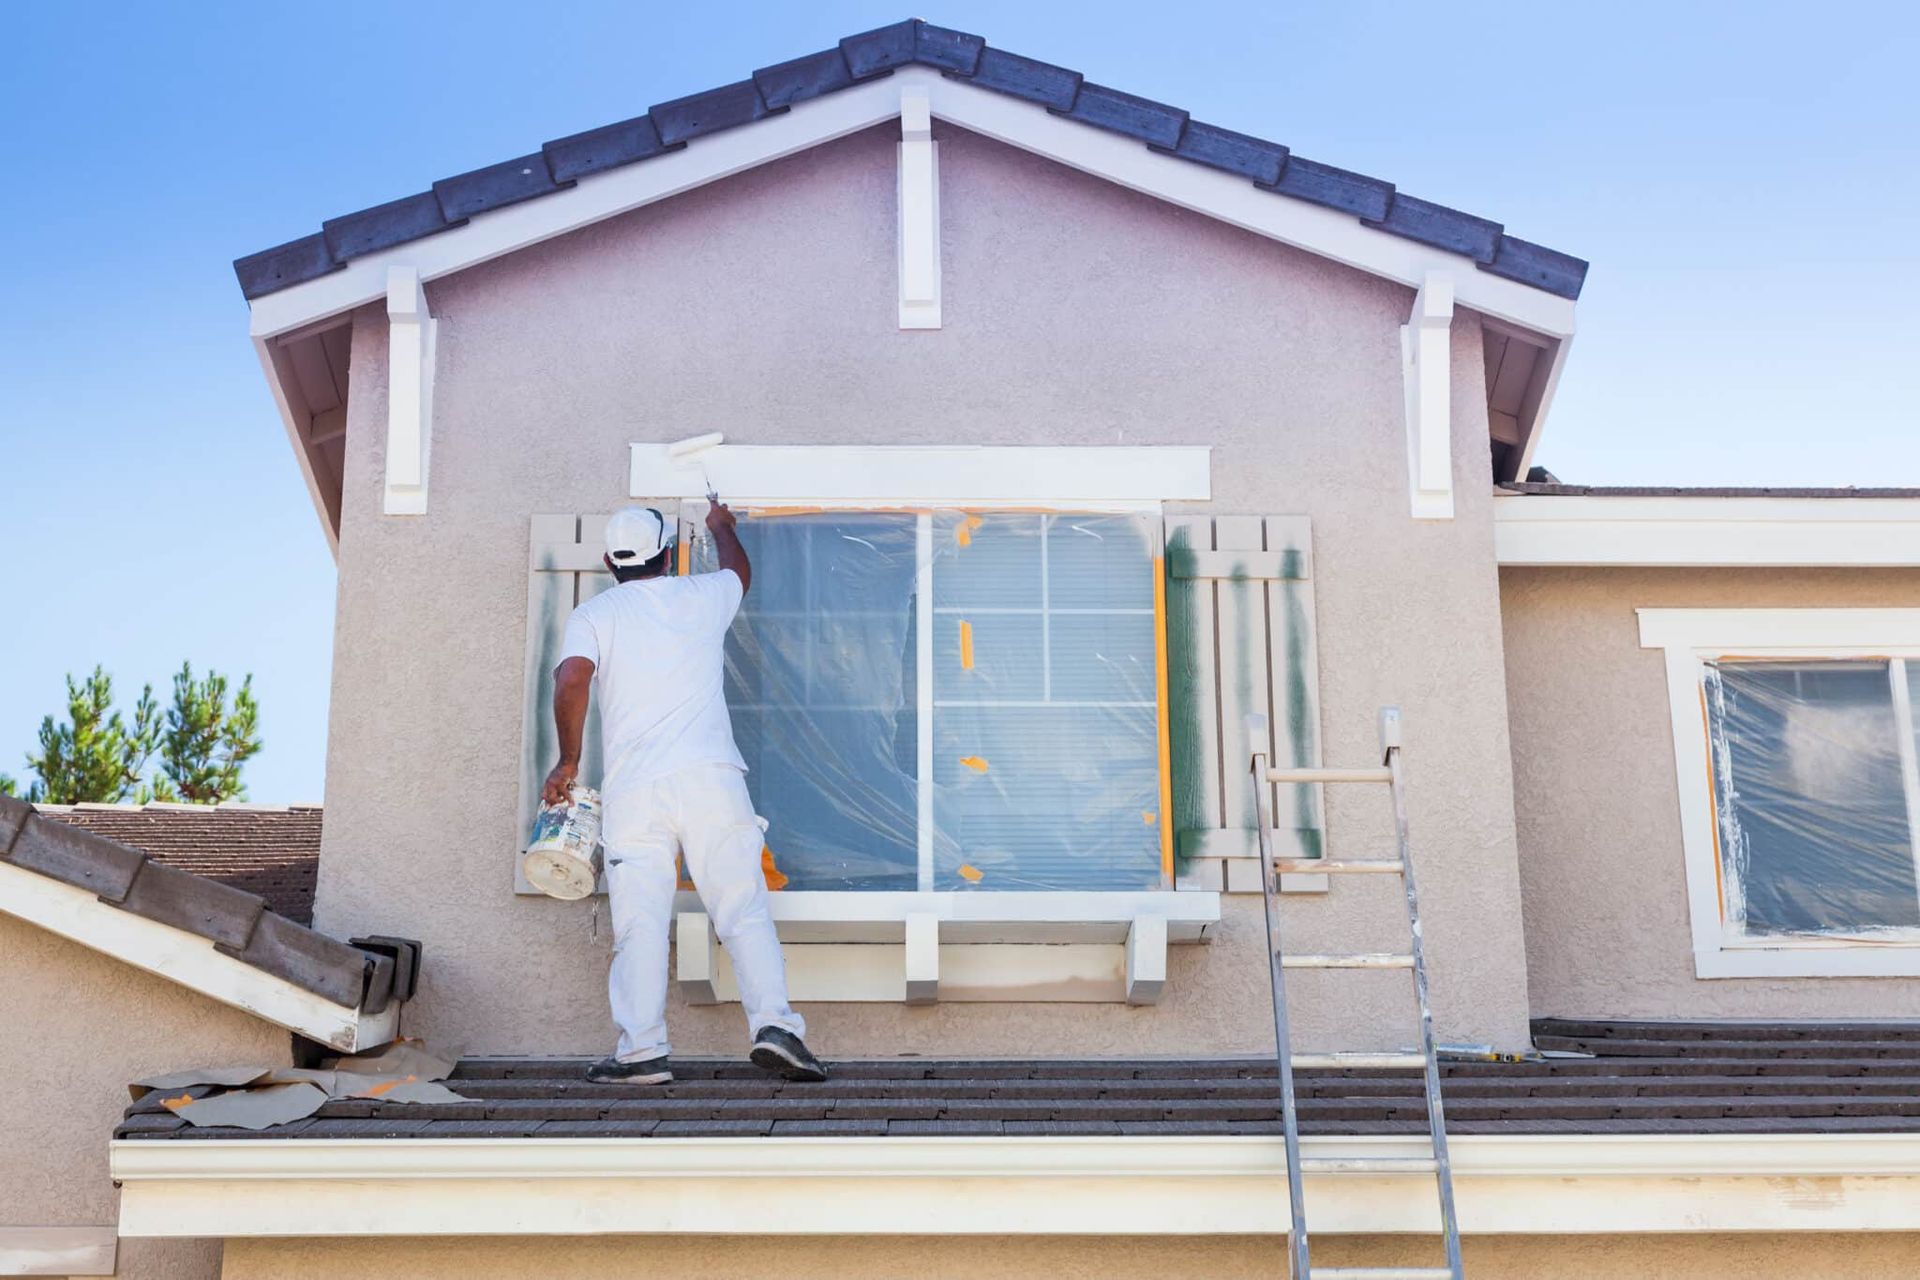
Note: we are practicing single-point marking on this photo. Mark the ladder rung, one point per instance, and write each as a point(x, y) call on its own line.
point(1372, 1061)
point(1386, 1273)
point(1381, 774)
point(1357, 960)
point(1325, 866)
point(1369, 1164)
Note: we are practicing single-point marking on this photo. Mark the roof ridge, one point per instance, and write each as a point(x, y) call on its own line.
point(870, 55)
point(177, 806)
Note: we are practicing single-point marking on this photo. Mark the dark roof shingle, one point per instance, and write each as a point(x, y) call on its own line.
point(880, 52)
point(270, 851)
point(1643, 1078)
point(90, 847)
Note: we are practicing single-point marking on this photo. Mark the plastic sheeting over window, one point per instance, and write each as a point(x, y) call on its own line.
point(1813, 766)
point(1014, 745)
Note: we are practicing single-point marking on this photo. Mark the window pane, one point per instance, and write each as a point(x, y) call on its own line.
point(820, 683)
point(1812, 805)
point(1046, 754)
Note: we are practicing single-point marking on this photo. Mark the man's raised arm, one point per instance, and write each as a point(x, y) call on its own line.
point(727, 543)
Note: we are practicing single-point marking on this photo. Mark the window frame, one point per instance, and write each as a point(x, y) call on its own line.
point(1690, 639)
point(691, 519)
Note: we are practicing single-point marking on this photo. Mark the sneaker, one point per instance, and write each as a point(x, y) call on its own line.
point(777, 1049)
point(614, 1071)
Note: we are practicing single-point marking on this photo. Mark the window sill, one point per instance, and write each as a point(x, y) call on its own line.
point(919, 948)
point(1838, 960)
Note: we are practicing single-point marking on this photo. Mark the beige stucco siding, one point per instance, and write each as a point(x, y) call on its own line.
point(1697, 1257)
point(78, 1028)
point(1594, 792)
point(1076, 312)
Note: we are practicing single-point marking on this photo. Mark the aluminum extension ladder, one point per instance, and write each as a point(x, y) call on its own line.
point(1387, 772)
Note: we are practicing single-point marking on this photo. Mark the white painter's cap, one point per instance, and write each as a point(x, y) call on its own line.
point(636, 535)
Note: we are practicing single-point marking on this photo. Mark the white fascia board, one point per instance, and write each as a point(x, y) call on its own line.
point(1534, 1185)
point(908, 475)
point(593, 199)
point(188, 960)
point(1688, 532)
point(1028, 126)
point(1327, 233)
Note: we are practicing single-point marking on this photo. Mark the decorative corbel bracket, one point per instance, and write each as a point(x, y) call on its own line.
point(410, 349)
point(919, 264)
point(1425, 359)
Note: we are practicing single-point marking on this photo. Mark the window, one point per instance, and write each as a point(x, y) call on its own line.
point(1802, 831)
point(1810, 766)
point(952, 700)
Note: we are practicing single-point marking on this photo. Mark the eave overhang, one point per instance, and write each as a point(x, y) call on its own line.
point(300, 311)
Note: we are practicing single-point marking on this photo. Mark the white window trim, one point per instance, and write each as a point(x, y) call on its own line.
point(887, 945)
point(1690, 638)
point(1103, 477)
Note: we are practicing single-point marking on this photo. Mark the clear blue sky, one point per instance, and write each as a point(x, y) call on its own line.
point(1744, 178)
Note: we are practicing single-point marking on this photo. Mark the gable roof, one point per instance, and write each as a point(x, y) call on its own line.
point(771, 91)
point(215, 938)
point(269, 850)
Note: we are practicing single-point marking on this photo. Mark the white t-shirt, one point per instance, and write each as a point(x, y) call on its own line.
point(658, 652)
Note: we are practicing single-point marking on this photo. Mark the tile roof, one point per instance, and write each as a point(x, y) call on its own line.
point(270, 851)
point(1557, 490)
point(772, 90)
point(1644, 1078)
point(238, 922)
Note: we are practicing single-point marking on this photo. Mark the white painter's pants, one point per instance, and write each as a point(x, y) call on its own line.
point(705, 812)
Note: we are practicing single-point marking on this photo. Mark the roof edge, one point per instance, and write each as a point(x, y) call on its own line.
point(770, 91)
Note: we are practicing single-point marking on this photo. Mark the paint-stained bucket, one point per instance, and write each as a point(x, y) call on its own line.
point(563, 860)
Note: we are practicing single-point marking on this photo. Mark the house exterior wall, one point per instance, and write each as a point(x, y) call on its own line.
point(1076, 313)
point(1697, 1256)
point(80, 1028)
point(1594, 792)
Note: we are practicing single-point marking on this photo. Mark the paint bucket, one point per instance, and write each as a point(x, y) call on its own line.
point(563, 860)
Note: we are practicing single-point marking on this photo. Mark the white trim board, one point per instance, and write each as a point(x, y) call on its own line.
point(1683, 532)
point(189, 960)
point(1691, 637)
point(1530, 1185)
point(58, 1251)
point(1028, 126)
point(906, 475)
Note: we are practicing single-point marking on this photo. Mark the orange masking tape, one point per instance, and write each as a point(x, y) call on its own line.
point(971, 874)
point(966, 646)
point(975, 763)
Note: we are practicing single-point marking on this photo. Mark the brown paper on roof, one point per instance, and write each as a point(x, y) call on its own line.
point(261, 1097)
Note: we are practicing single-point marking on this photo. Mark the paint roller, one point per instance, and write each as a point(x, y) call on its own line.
point(692, 449)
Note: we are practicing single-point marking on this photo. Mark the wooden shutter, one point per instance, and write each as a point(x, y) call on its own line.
point(1240, 639)
point(563, 568)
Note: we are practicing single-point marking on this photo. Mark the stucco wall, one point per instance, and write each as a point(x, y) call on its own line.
point(1859, 1256)
point(1075, 312)
point(1601, 868)
point(78, 1027)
